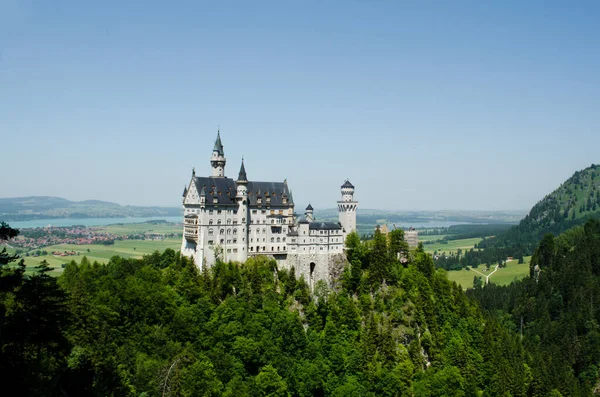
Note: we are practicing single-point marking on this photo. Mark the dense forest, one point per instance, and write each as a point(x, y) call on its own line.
point(557, 311)
point(156, 326)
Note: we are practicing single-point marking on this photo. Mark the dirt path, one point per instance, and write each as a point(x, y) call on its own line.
point(487, 278)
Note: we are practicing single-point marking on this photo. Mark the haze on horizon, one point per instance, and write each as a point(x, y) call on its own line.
point(422, 106)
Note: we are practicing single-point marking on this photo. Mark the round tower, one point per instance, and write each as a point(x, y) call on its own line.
point(347, 208)
point(309, 213)
point(243, 215)
point(217, 160)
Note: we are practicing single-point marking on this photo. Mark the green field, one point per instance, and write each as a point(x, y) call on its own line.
point(135, 228)
point(452, 246)
point(102, 253)
point(431, 237)
point(503, 276)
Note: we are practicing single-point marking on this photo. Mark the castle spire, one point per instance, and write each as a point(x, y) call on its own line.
point(242, 175)
point(217, 160)
point(218, 145)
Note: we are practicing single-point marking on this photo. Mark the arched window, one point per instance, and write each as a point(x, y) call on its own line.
point(284, 239)
point(235, 240)
point(272, 239)
point(210, 221)
point(278, 240)
point(228, 231)
point(243, 220)
point(234, 231)
point(219, 222)
point(222, 241)
point(210, 231)
point(229, 221)
point(222, 231)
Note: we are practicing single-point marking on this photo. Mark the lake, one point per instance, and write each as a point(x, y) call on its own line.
point(89, 221)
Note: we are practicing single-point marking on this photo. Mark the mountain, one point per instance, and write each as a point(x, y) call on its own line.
point(571, 204)
point(46, 207)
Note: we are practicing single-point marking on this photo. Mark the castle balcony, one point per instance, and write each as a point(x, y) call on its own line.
point(190, 233)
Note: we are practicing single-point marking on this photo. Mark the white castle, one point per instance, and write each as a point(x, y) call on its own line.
point(238, 219)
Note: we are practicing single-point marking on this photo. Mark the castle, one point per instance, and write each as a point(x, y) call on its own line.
point(238, 219)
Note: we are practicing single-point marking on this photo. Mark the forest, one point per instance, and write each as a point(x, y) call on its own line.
point(157, 326)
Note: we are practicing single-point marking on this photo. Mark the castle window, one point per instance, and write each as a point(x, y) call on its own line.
point(252, 249)
point(210, 242)
point(235, 250)
point(228, 231)
point(264, 230)
point(211, 212)
point(210, 231)
point(235, 222)
point(263, 211)
point(272, 239)
point(218, 222)
point(254, 212)
point(243, 220)
point(219, 211)
point(264, 248)
point(210, 221)
point(234, 231)
point(229, 221)
point(228, 241)
point(277, 248)
point(222, 241)
point(222, 231)
point(229, 250)
point(278, 240)
point(284, 239)
point(251, 240)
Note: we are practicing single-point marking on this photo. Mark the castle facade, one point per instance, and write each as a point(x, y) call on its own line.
point(238, 219)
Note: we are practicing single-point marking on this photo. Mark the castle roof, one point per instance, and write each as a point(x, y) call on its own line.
point(347, 184)
point(309, 208)
point(218, 145)
point(224, 190)
point(184, 191)
point(324, 226)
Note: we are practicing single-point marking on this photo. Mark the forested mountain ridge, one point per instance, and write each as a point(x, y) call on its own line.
point(571, 204)
point(156, 326)
point(557, 311)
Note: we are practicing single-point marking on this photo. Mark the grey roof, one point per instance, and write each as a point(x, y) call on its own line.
point(184, 191)
point(309, 208)
point(227, 188)
point(324, 226)
point(242, 176)
point(218, 145)
point(274, 189)
point(223, 189)
point(348, 184)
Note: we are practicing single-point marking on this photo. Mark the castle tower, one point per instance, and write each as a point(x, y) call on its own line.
point(243, 216)
point(309, 213)
point(347, 208)
point(217, 160)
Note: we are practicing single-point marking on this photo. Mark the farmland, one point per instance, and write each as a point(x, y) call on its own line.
point(503, 276)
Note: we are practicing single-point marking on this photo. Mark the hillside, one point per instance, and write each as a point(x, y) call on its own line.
point(571, 204)
point(45, 207)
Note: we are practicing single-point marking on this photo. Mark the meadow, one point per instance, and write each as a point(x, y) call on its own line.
point(451, 247)
point(503, 276)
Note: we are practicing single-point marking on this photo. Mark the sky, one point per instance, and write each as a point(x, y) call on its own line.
point(422, 105)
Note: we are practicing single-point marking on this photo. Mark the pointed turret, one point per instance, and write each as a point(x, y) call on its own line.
point(242, 175)
point(309, 213)
point(218, 145)
point(217, 160)
point(184, 191)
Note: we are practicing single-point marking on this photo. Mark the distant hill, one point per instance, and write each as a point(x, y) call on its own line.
point(46, 207)
point(571, 204)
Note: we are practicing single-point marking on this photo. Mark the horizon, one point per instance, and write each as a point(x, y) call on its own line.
point(419, 106)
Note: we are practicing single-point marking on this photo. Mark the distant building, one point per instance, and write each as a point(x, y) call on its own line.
point(239, 218)
point(412, 237)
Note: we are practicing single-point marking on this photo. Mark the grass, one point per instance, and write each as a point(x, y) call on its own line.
point(452, 246)
point(101, 253)
point(503, 276)
point(135, 228)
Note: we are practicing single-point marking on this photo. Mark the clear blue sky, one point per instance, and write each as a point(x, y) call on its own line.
point(422, 105)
